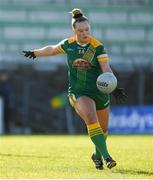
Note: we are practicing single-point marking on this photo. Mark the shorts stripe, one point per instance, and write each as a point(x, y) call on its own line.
point(72, 99)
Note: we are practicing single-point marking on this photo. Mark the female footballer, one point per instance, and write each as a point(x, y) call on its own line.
point(87, 59)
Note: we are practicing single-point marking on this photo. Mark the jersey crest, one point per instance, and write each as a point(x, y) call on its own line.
point(81, 64)
point(85, 63)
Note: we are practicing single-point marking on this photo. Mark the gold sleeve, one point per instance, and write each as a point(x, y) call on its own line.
point(59, 50)
point(103, 57)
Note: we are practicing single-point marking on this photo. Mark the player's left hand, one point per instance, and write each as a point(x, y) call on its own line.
point(120, 95)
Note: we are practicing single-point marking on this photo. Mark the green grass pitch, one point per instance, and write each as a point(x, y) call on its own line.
point(52, 156)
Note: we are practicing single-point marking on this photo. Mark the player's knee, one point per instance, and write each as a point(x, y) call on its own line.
point(90, 118)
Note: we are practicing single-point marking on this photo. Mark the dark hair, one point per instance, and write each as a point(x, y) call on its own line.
point(77, 16)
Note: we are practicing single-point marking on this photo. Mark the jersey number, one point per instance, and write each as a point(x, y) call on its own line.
point(81, 51)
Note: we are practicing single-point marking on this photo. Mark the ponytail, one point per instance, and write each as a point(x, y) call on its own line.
point(77, 16)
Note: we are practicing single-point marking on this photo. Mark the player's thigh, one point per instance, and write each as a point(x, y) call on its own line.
point(103, 117)
point(86, 108)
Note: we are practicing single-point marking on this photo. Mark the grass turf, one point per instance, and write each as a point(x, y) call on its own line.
point(69, 157)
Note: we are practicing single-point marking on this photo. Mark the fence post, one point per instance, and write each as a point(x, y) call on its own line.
point(141, 83)
point(1, 116)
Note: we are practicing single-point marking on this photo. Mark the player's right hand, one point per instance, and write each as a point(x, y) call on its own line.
point(29, 54)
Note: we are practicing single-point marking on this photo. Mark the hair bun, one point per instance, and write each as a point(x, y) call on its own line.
point(76, 13)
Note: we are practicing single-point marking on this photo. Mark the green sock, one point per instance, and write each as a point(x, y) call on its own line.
point(98, 155)
point(96, 134)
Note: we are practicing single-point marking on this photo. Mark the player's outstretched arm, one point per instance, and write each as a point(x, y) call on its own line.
point(45, 51)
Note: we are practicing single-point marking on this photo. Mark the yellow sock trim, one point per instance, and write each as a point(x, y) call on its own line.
point(94, 129)
point(93, 126)
point(95, 132)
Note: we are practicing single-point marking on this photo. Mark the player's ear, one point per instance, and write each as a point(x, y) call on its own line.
point(73, 30)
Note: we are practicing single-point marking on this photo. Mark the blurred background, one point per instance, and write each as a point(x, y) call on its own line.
point(33, 94)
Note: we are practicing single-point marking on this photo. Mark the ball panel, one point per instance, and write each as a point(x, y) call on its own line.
point(106, 82)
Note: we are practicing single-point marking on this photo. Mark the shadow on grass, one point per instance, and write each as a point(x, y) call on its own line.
point(134, 172)
point(20, 155)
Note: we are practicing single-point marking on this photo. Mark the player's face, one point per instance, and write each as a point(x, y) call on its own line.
point(82, 31)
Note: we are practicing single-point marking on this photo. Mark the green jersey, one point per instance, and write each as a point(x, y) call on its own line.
point(83, 81)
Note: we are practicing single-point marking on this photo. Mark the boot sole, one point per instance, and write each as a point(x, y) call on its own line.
point(111, 165)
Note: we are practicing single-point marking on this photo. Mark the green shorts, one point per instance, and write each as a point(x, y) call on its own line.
point(101, 100)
